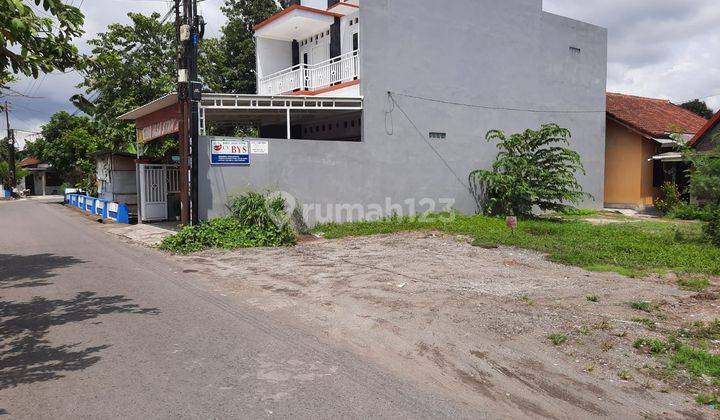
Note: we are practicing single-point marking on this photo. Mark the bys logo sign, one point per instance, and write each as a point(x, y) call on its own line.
point(229, 152)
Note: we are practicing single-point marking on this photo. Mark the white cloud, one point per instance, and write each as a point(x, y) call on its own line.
point(658, 48)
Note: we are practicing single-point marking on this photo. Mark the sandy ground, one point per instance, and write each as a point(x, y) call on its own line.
point(472, 323)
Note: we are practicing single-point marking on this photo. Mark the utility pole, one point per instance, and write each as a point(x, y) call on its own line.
point(182, 129)
point(191, 28)
point(11, 147)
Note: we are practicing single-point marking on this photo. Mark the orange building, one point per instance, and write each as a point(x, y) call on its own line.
point(640, 153)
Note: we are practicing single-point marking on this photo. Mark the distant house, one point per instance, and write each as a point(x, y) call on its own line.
point(640, 148)
point(42, 178)
point(708, 138)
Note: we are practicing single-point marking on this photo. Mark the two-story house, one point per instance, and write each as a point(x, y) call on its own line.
point(385, 104)
point(310, 48)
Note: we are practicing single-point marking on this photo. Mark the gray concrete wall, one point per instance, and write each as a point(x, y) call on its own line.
point(506, 54)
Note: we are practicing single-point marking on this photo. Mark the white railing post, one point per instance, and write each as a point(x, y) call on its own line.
point(343, 68)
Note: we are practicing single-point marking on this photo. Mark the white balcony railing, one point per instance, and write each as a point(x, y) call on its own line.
point(340, 69)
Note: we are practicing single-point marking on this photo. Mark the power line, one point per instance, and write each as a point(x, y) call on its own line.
point(422, 136)
point(502, 108)
point(16, 93)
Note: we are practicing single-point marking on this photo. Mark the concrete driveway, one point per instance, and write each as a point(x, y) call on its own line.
point(92, 327)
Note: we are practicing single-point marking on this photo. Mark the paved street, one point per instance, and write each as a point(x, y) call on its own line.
point(97, 328)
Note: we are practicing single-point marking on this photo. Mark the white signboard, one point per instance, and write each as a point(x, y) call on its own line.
point(259, 147)
point(229, 152)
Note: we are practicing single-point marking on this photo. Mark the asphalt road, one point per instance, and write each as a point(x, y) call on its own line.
point(92, 327)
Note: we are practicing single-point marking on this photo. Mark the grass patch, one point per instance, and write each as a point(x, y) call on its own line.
point(711, 400)
point(526, 299)
point(558, 339)
point(694, 284)
point(572, 211)
point(697, 361)
point(702, 331)
point(643, 305)
point(625, 375)
point(651, 345)
point(649, 323)
point(631, 249)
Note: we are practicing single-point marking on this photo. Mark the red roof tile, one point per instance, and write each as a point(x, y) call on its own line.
point(29, 161)
point(653, 117)
point(708, 126)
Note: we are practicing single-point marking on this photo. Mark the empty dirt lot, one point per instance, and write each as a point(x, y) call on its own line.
point(473, 323)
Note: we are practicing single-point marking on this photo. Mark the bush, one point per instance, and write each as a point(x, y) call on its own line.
point(533, 169)
point(255, 221)
point(684, 211)
point(669, 198)
point(711, 230)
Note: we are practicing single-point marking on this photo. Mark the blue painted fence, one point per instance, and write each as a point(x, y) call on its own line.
point(100, 207)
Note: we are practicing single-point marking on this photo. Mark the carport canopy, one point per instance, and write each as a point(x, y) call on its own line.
point(162, 116)
point(266, 109)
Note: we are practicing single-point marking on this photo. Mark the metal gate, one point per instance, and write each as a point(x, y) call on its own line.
point(156, 181)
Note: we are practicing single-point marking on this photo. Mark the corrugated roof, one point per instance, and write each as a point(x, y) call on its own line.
point(653, 117)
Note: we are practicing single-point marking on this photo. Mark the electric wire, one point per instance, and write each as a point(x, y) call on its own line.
point(502, 108)
point(422, 136)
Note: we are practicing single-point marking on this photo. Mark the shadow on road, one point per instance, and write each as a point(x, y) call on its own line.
point(17, 271)
point(27, 356)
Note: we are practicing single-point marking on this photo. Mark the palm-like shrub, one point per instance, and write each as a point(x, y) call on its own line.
point(533, 169)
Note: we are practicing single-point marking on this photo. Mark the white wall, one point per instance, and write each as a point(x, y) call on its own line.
point(346, 31)
point(322, 43)
point(273, 56)
point(315, 4)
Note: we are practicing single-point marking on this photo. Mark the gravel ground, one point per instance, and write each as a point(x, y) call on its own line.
point(472, 323)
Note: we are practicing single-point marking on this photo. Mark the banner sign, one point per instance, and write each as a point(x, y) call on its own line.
point(259, 147)
point(229, 152)
point(158, 130)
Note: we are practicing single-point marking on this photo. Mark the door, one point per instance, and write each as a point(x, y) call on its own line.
point(30, 183)
point(319, 75)
point(153, 196)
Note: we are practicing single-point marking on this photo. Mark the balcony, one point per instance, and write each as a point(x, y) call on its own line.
point(304, 77)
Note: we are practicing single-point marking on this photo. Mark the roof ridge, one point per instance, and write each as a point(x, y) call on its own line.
point(639, 97)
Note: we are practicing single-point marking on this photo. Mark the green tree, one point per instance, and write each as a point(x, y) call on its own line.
point(5, 173)
point(130, 65)
point(228, 64)
point(698, 107)
point(530, 170)
point(38, 38)
point(705, 175)
point(66, 143)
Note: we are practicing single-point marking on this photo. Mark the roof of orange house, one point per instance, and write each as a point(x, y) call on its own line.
point(29, 161)
point(653, 117)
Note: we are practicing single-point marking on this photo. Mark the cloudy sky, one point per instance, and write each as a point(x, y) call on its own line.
point(658, 48)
